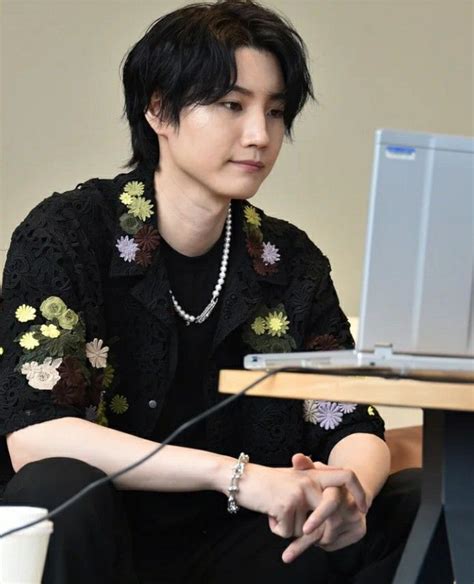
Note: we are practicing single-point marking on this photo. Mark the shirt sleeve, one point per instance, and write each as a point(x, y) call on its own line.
point(47, 370)
point(327, 422)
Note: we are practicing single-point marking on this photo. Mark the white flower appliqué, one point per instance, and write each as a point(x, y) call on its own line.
point(44, 375)
point(310, 409)
point(97, 353)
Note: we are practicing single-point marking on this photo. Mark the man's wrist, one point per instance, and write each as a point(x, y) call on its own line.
point(222, 474)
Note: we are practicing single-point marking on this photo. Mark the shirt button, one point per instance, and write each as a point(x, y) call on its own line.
point(152, 404)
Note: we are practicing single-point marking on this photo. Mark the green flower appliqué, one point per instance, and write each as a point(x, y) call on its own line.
point(118, 404)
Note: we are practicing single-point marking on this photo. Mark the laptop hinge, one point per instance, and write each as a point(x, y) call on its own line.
point(383, 351)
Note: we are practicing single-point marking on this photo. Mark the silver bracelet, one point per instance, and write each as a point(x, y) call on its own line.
point(237, 472)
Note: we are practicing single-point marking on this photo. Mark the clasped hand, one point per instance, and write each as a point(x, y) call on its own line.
point(331, 513)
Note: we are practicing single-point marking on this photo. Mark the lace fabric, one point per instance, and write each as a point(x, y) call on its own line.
point(66, 247)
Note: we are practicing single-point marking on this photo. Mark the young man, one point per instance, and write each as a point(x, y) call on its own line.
point(125, 297)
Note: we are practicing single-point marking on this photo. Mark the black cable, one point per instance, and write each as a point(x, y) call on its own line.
point(118, 473)
point(365, 372)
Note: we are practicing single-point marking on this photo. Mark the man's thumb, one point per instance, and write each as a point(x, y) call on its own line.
point(301, 462)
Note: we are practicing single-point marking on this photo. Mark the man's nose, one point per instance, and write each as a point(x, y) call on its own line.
point(255, 132)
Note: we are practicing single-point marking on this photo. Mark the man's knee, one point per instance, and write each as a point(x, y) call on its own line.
point(50, 481)
point(397, 503)
point(404, 486)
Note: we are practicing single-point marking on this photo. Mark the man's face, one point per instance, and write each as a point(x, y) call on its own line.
point(207, 151)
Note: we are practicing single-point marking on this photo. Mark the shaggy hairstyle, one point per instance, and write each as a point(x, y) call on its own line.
point(189, 57)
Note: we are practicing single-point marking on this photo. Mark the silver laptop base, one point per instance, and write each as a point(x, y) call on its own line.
point(381, 358)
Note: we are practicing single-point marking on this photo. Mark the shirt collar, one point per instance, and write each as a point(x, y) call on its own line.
point(244, 289)
point(144, 174)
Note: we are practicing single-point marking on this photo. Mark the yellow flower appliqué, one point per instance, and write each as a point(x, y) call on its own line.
point(119, 404)
point(252, 216)
point(141, 208)
point(25, 312)
point(28, 341)
point(371, 411)
point(277, 324)
point(51, 331)
point(134, 188)
point(126, 198)
point(259, 326)
point(268, 333)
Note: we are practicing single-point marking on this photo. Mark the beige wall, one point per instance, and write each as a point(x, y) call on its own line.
point(381, 63)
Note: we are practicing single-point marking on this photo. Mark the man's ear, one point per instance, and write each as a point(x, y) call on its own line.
point(152, 114)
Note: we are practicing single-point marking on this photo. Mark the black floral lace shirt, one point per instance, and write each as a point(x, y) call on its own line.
point(88, 329)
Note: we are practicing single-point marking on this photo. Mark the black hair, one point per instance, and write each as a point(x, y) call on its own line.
point(188, 56)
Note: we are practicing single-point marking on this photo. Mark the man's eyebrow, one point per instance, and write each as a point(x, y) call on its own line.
point(280, 95)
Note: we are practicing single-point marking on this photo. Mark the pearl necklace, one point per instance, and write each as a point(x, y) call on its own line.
point(191, 319)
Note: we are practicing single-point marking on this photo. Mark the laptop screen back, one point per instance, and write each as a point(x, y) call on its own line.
point(417, 291)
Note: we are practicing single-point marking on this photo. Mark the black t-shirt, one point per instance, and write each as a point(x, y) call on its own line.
point(192, 280)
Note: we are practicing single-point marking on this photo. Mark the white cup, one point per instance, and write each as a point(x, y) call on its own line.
point(23, 554)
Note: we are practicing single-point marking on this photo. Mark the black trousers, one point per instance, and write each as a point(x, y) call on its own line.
point(92, 542)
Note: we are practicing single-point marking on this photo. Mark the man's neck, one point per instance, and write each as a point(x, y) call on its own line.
point(189, 222)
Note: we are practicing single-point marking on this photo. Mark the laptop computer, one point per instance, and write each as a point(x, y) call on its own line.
point(417, 300)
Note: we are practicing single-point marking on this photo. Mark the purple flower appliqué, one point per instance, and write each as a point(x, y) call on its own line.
point(329, 415)
point(91, 413)
point(347, 408)
point(127, 247)
point(270, 253)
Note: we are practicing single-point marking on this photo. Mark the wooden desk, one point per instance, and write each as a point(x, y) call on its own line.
point(447, 506)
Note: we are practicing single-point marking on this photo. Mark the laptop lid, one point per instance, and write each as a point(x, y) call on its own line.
point(418, 283)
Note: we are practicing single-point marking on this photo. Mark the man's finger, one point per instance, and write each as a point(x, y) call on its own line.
point(345, 478)
point(330, 501)
point(300, 520)
point(272, 522)
point(285, 525)
point(343, 540)
point(301, 544)
point(318, 465)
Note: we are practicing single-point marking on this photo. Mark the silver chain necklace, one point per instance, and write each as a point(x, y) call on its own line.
point(191, 319)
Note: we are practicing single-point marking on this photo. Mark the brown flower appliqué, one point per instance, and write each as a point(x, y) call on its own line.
point(322, 343)
point(148, 238)
point(262, 268)
point(143, 258)
point(71, 389)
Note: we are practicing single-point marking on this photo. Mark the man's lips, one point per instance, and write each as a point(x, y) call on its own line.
point(251, 163)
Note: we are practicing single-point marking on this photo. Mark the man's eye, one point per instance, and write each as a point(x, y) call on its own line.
point(232, 105)
point(276, 113)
